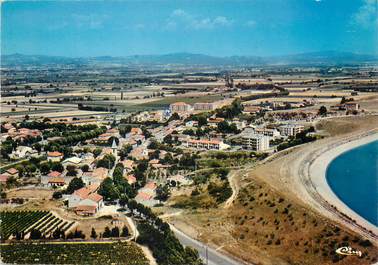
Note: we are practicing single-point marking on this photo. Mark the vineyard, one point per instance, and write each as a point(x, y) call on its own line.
point(23, 222)
point(126, 253)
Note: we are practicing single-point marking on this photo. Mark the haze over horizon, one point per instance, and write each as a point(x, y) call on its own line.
point(221, 28)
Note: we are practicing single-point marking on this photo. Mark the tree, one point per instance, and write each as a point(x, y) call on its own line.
point(322, 111)
point(115, 232)
point(97, 152)
point(174, 116)
point(106, 233)
point(125, 231)
point(93, 233)
point(162, 193)
point(107, 161)
point(84, 168)
point(123, 200)
point(57, 166)
point(57, 195)
point(44, 168)
point(58, 234)
point(71, 170)
point(124, 152)
point(108, 190)
point(75, 184)
point(35, 234)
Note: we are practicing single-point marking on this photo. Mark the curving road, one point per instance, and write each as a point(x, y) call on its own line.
point(209, 255)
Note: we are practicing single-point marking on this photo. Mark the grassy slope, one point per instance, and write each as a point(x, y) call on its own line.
point(259, 229)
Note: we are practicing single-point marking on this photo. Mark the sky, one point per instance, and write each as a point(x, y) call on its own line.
point(217, 27)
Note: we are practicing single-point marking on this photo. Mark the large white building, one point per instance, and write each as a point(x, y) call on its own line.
point(256, 142)
point(204, 106)
point(268, 132)
point(205, 144)
point(179, 107)
point(291, 129)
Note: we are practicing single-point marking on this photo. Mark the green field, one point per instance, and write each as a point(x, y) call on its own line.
point(153, 105)
point(126, 253)
point(164, 103)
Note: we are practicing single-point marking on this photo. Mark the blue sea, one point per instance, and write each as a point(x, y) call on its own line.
point(353, 177)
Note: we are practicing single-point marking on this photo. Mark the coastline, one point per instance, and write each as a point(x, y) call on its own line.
point(317, 170)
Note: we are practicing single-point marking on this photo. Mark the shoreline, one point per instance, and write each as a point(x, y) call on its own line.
point(317, 170)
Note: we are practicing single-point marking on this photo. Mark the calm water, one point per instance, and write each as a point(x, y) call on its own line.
point(353, 177)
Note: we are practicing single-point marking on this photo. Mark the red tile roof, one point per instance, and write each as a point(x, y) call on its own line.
point(3, 178)
point(143, 196)
point(131, 179)
point(12, 171)
point(84, 192)
point(150, 185)
point(54, 174)
point(59, 180)
point(95, 197)
point(54, 154)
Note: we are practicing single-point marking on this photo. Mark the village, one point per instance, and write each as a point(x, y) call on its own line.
point(92, 160)
point(77, 170)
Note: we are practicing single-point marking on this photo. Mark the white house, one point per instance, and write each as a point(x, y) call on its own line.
point(54, 156)
point(74, 161)
point(86, 201)
point(24, 152)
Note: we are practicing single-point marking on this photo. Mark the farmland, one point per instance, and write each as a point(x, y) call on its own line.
point(24, 221)
point(73, 253)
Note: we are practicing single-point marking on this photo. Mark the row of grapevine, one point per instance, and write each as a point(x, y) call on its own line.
point(125, 253)
point(23, 222)
point(18, 221)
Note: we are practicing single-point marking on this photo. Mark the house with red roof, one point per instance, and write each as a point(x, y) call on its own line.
point(86, 201)
point(56, 181)
point(12, 172)
point(3, 179)
point(131, 179)
point(54, 156)
point(147, 194)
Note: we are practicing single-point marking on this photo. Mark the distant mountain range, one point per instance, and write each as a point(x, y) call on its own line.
point(314, 58)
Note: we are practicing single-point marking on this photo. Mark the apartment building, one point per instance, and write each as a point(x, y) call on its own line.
point(179, 107)
point(205, 144)
point(291, 129)
point(204, 106)
point(255, 142)
point(268, 132)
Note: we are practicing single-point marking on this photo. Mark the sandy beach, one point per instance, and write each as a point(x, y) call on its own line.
point(300, 173)
point(315, 172)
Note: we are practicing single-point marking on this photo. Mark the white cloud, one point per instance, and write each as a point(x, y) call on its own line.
point(367, 14)
point(91, 21)
point(184, 20)
point(250, 23)
point(140, 26)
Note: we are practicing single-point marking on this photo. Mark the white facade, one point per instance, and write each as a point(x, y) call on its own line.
point(256, 142)
point(273, 133)
point(206, 144)
point(73, 200)
point(291, 129)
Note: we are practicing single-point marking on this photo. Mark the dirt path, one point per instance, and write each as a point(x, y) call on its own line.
point(148, 254)
point(232, 179)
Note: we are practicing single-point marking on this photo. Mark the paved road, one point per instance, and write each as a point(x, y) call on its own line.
point(213, 257)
